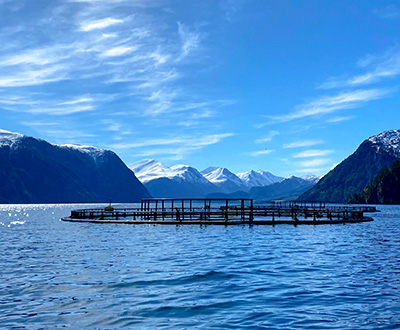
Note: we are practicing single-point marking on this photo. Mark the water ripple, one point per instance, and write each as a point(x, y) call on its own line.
point(86, 276)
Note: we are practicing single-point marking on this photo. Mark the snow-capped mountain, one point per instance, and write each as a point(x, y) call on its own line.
point(353, 174)
point(8, 138)
point(185, 181)
point(388, 142)
point(310, 177)
point(35, 171)
point(224, 179)
point(258, 178)
point(174, 181)
point(150, 169)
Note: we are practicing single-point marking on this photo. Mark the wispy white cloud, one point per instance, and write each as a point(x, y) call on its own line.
point(81, 104)
point(78, 101)
point(259, 153)
point(176, 147)
point(100, 24)
point(190, 40)
point(33, 77)
point(303, 143)
point(34, 56)
point(269, 137)
point(162, 102)
point(113, 49)
point(36, 104)
point(377, 68)
point(118, 51)
point(329, 104)
point(339, 119)
point(390, 11)
point(312, 153)
point(194, 141)
point(314, 162)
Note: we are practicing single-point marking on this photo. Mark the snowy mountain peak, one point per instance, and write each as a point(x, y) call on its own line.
point(220, 174)
point(310, 177)
point(258, 178)
point(7, 137)
point(388, 141)
point(149, 169)
point(147, 165)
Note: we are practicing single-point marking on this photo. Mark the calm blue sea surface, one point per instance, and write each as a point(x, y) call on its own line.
point(56, 274)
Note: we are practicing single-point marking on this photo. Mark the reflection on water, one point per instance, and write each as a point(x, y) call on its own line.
point(107, 276)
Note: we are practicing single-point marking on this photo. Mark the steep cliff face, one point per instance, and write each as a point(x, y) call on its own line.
point(35, 171)
point(384, 189)
point(355, 172)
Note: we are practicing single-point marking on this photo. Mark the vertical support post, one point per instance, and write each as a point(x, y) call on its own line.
point(251, 211)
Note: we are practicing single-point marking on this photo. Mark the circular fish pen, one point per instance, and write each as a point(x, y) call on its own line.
point(222, 211)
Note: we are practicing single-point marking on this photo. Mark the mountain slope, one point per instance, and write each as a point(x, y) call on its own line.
point(384, 189)
point(353, 174)
point(178, 181)
point(35, 171)
point(287, 189)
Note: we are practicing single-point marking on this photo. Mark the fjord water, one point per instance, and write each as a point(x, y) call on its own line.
point(56, 274)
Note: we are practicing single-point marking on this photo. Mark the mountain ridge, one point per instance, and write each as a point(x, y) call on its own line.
point(36, 171)
point(353, 174)
point(163, 181)
point(174, 181)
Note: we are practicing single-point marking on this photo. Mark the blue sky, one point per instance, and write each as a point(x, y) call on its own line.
point(291, 87)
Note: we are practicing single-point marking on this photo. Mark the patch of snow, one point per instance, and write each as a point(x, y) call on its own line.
point(9, 138)
point(388, 141)
point(91, 151)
